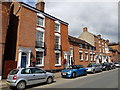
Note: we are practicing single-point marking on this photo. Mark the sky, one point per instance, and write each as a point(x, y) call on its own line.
point(99, 16)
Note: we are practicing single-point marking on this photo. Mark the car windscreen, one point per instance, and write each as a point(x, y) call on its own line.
point(13, 72)
point(90, 65)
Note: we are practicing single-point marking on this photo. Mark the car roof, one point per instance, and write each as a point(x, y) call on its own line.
point(25, 68)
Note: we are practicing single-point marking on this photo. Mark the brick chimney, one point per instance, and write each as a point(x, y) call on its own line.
point(99, 36)
point(85, 29)
point(40, 5)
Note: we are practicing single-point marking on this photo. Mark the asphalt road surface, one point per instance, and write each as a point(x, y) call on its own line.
point(105, 79)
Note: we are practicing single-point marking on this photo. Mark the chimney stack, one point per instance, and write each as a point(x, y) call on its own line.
point(40, 5)
point(85, 29)
point(99, 36)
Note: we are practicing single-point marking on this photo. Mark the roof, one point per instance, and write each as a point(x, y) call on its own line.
point(112, 44)
point(113, 50)
point(78, 41)
point(96, 36)
point(45, 14)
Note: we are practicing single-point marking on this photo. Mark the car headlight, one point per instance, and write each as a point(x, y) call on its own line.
point(69, 72)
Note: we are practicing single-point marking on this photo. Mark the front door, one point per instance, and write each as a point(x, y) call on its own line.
point(23, 60)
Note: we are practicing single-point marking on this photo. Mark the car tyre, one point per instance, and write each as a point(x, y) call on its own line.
point(49, 80)
point(106, 69)
point(73, 75)
point(93, 71)
point(85, 72)
point(21, 85)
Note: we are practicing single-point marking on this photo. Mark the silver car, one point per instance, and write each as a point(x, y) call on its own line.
point(22, 77)
point(94, 67)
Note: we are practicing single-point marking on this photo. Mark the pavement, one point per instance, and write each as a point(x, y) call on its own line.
point(4, 85)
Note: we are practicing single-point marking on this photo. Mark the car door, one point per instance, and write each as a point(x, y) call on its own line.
point(95, 66)
point(27, 75)
point(80, 69)
point(39, 75)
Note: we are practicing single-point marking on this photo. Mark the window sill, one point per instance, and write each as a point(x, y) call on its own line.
point(81, 60)
point(57, 65)
point(39, 65)
point(40, 26)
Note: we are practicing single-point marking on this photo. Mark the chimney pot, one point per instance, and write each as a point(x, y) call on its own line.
point(40, 5)
point(85, 29)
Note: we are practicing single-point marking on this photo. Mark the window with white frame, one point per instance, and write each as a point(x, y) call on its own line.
point(57, 58)
point(57, 26)
point(39, 58)
point(86, 56)
point(91, 48)
point(40, 21)
point(39, 39)
point(81, 56)
point(81, 46)
point(57, 42)
point(91, 57)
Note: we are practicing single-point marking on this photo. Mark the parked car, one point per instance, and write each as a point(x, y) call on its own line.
point(94, 67)
point(73, 71)
point(106, 66)
point(22, 77)
point(117, 64)
point(112, 65)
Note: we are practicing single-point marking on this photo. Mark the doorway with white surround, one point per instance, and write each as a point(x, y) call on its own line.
point(23, 57)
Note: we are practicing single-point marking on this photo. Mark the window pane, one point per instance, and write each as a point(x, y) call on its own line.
point(40, 21)
point(39, 57)
point(57, 58)
point(57, 42)
point(80, 56)
point(57, 27)
point(39, 38)
point(36, 70)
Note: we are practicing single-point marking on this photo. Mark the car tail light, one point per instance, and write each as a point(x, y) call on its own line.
point(14, 77)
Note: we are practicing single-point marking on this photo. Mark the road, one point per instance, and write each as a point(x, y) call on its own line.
point(106, 79)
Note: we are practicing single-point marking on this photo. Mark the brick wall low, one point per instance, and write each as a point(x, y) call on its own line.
point(8, 66)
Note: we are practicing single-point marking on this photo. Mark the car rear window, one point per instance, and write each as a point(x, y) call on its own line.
point(13, 72)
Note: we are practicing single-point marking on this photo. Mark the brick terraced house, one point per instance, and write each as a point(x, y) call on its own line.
point(81, 52)
point(34, 36)
point(102, 50)
point(114, 49)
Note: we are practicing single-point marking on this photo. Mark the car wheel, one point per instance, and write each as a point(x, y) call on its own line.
point(21, 85)
point(106, 69)
point(49, 80)
point(85, 73)
point(101, 70)
point(73, 75)
point(93, 71)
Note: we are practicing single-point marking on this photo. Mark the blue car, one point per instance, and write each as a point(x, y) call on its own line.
point(73, 71)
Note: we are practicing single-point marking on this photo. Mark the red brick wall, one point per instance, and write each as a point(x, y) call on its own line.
point(76, 55)
point(4, 9)
point(8, 66)
point(49, 44)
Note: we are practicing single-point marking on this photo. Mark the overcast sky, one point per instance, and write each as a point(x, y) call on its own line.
point(100, 16)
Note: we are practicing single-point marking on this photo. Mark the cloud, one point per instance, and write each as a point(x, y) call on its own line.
point(100, 16)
